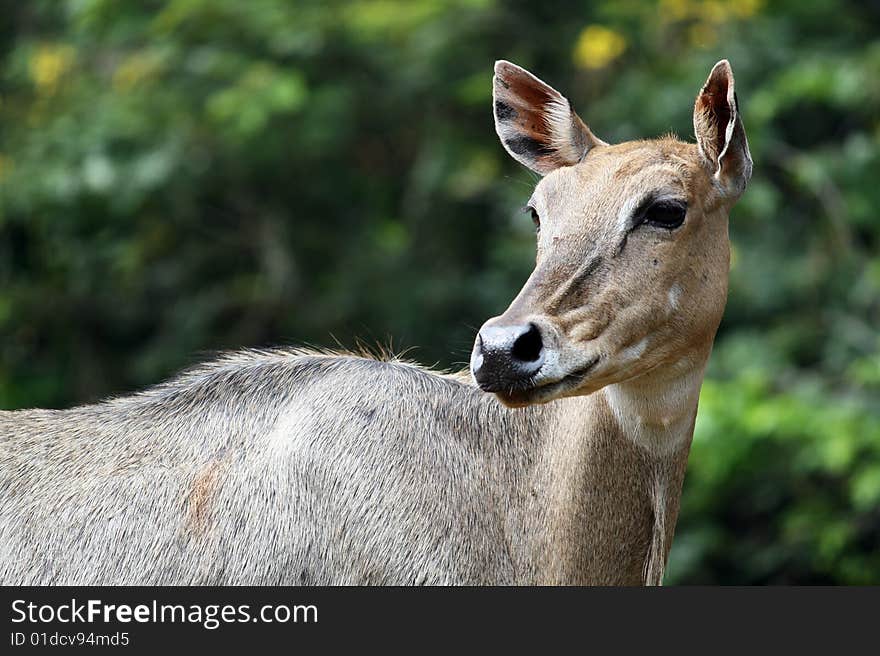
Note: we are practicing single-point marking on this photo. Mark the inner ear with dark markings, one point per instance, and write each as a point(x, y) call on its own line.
point(535, 122)
point(721, 136)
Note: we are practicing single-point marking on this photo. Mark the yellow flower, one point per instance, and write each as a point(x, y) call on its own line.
point(597, 46)
point(708, 11)
point(715, 11)
point(746, 8)
point(48, 64)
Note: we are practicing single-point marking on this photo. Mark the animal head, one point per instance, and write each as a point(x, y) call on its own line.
point(632, 246)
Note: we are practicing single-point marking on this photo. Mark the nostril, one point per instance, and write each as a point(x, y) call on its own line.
point(528, 346)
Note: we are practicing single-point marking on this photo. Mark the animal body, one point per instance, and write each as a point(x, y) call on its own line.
point(558, 459)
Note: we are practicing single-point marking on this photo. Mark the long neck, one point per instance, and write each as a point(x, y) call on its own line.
point(607, 481)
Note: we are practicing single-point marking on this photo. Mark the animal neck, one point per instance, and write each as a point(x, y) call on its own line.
point(610, 473)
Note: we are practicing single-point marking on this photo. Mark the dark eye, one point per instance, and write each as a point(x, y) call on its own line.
point(536, 219)
point(667, 214)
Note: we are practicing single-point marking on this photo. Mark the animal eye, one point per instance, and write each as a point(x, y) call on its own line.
point(667, 214)
point(536, 219)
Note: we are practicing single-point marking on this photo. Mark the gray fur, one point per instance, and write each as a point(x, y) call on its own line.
point(288, 467)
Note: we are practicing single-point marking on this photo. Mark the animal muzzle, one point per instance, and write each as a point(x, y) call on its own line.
point(507, 358)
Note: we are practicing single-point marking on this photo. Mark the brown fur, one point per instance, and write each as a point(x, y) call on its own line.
point(202, 495)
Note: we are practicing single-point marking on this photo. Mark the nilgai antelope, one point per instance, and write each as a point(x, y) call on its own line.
point(558, 460)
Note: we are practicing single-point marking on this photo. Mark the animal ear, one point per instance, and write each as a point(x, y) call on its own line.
point(720, 134)
point(535, 123)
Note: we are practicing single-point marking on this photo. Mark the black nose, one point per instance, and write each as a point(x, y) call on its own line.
point(507, 356)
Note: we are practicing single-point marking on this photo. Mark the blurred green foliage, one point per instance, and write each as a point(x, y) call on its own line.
point(190, 175)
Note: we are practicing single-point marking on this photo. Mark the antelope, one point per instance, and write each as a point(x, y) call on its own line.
point(559, 459)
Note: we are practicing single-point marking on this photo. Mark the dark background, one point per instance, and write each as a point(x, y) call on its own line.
point(485, 618)
point(185, 176)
